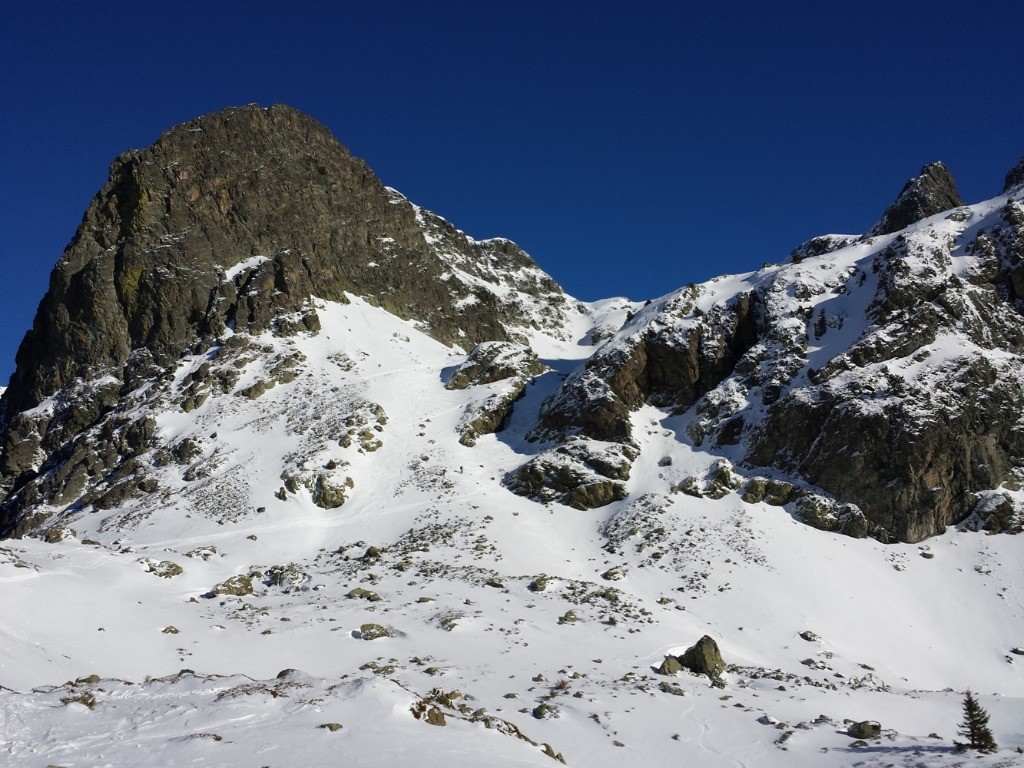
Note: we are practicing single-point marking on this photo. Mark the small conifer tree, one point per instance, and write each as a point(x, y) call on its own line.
point(975, 726)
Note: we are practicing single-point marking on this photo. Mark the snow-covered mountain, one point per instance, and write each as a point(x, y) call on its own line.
point(291, 468)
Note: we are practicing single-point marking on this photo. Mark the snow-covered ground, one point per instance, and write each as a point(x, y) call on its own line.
point(525, 624)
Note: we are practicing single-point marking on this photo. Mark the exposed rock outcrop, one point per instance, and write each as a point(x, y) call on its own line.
point(819, 246)
point(495, 361)
point(865, 729)
point(583, 474)
point(896, 424)
point(932, 192)
point(1014, 178)
point(502, 370)
point(669, 355)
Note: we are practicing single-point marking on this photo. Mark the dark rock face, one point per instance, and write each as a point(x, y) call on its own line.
point(702, 658)
point(237, 219)
point(1014, 178)
point(910, 452)
point(932, 192)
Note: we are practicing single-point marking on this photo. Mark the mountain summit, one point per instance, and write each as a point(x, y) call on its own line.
point(291, 466)
point(238, 218)
point(933, 191)
point(236, 221)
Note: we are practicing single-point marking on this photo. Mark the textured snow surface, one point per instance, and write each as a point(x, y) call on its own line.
point(525, 624)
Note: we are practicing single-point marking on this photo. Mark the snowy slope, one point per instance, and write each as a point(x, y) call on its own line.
point(899, 631)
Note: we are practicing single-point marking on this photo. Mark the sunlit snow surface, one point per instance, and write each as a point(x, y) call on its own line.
point(899, 631)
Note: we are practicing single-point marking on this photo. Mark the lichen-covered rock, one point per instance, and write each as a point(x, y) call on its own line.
point(374, 631)
point(670, 666)
point(591, 495)
point(720, 480)
point(435, 716)
point(328, 487)
point(827, 514)
point(363, 594)
point(704, 658)
point(615, 573)
point(539, 584)
point(544, 712)
point(165, 569)
point(238, 585)
point(330, 492)
point(865, 729)
point(691, 486)
point(775, 493)
point(287, 577)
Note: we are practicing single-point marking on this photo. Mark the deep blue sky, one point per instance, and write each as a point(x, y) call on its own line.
point(630, 148)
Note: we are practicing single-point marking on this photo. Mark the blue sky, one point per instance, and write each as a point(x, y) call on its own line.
point(630, 148)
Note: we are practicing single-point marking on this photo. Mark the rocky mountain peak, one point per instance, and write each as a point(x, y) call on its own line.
point(238, 222)
point(1014, 178)
point(236, 219)
point(932, 191)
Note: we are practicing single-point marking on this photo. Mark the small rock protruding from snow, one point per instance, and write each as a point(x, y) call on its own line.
point(865, 729)
point(704, 658)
